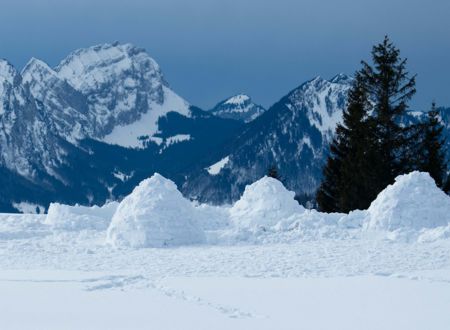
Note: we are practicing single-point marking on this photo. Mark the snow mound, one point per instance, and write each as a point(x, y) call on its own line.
point(264, 204)
point(65, 217)
point(155, 214)
point(413, 202)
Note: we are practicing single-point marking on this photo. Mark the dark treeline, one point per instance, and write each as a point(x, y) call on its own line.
point(375, 143)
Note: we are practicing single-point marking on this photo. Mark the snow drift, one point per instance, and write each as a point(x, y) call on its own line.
point(413, 202)
point(65, 217)
point(155, 214)
point(413, 208)
point(264, 204)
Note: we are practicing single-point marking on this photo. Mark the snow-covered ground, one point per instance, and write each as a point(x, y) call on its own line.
point(293, 269)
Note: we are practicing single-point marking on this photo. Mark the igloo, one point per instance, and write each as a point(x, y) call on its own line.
point(155, 214)
point(412, 202)
point(264, 204)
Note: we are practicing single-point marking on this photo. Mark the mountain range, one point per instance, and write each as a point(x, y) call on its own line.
point(105, 118)
point(292, 135)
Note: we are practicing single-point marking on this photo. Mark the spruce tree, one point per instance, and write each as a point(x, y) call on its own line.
point(373, 145)
point(390, 88)
point(447, 185)
point(327, 196)
point(357, 166)
point(343, 187)
point(433, 156)
point(272, 172)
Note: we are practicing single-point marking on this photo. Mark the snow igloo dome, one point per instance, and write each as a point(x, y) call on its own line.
point(264, 204)
point(155, 214)
point(412, 202)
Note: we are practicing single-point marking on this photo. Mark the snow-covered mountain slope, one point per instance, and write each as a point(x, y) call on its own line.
point(26, 142)
point(125, 90)
point(82, 130)
point(293, 134)
point(322, 101)
point(65, 107)
point(238, 107)
point(114, 93)
point(144, 130)
point(104, 119)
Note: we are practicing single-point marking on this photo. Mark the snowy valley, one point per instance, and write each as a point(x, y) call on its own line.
point(263, 262)
point(140, 210)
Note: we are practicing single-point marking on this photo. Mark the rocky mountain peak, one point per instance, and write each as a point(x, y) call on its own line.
point(92, 68)
point(8, 73)
point(322, 100)
point(238, 107)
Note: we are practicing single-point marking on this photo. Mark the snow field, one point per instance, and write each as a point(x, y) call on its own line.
point(263, 263)
point(365, 302)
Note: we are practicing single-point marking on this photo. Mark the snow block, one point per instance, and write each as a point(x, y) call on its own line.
point(412, 202)
point(155, 214)
point(65, 217)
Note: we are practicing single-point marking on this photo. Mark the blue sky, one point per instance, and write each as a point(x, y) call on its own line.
point(211, 49)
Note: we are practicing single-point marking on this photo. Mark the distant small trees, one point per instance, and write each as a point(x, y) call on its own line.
point(447, 185)
point(272, 172)
point(374, 144)
point(432, 148)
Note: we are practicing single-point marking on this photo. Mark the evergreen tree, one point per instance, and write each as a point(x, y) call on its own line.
point(357, 165)
point(272, 172)
point(390, 88)
point(433, 157)
point(343, 187)
point(447, 185)
point(327, 196)
point(372, 146)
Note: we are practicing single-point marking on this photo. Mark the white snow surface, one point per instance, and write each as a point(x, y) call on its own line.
point(133, 134)
point(237, 99)
point(26, 207)
point(217, 167)
point(98, 300)
point(155, 214)
point(286, 269)
point(177, 138)
point(89, 68)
